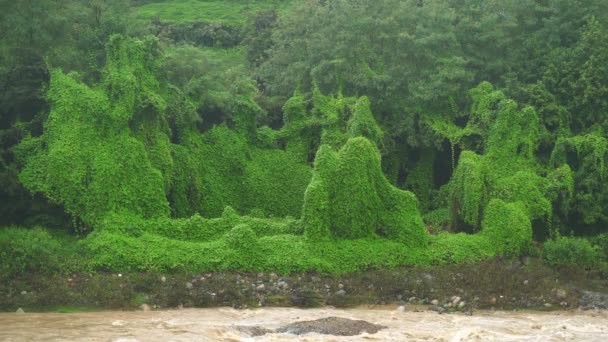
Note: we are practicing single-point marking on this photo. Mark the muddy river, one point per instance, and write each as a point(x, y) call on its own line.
point(226, 324)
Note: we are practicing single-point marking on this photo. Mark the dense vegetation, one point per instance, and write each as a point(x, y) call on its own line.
point(291, 136)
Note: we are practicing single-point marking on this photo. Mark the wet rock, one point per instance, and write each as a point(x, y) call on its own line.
point(253, 331)
point(593, 300)
point(331, 326)
point(20, 311)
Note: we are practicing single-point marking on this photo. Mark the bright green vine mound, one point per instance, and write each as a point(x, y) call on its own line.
point(366, 224)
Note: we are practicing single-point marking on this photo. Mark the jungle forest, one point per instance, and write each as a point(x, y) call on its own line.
point(287, 136)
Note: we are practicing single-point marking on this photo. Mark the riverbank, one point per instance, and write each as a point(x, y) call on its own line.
point(495, 284)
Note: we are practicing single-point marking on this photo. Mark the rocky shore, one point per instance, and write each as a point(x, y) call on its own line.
point(490, 285)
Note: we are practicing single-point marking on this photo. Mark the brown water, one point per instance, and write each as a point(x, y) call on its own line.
point(220, 325)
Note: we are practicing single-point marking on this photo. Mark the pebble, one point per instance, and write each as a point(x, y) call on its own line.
point(163, 279)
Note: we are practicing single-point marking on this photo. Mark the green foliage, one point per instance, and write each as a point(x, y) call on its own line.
point(448, 248)
point(586, 155)
point(570, 251)
point(508, 169)
point(600, 242)
point(363, 203)
point(508, 227)
point(231, 12)
point(26, 251)
point(437, 220)
point(87, 159)
point(316, 214)
point(363, 124)
point(467, 188)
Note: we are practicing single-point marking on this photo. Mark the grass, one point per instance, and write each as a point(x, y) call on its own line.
point(232, 12)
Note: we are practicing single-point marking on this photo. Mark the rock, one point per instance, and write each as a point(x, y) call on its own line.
point(399, 297)
point(23, 293)
point(282, 285)
point(461, 304)
point(560, 293)
point(331, 326)
point(145, 307)
point(340, 286)
point(435, 302)
point(189, 285)
point(593, 300)
point(455, 300)
point(412, 299)
point(526, 282)
point(341, 293)
point(427, 278)
point(401, 309)
point(163, 279)
point(492, 300)
point(20, 311)
point(253, 331)
point(548, 305)
point(260, 287)
point(273, 276)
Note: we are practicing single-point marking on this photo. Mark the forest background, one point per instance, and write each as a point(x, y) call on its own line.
point(301, 135)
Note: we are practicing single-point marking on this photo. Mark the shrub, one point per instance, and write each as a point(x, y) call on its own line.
point(508, 227)
point(28, 251)
point(570, 251)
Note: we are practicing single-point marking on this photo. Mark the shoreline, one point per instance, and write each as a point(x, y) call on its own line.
point(498, 284)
